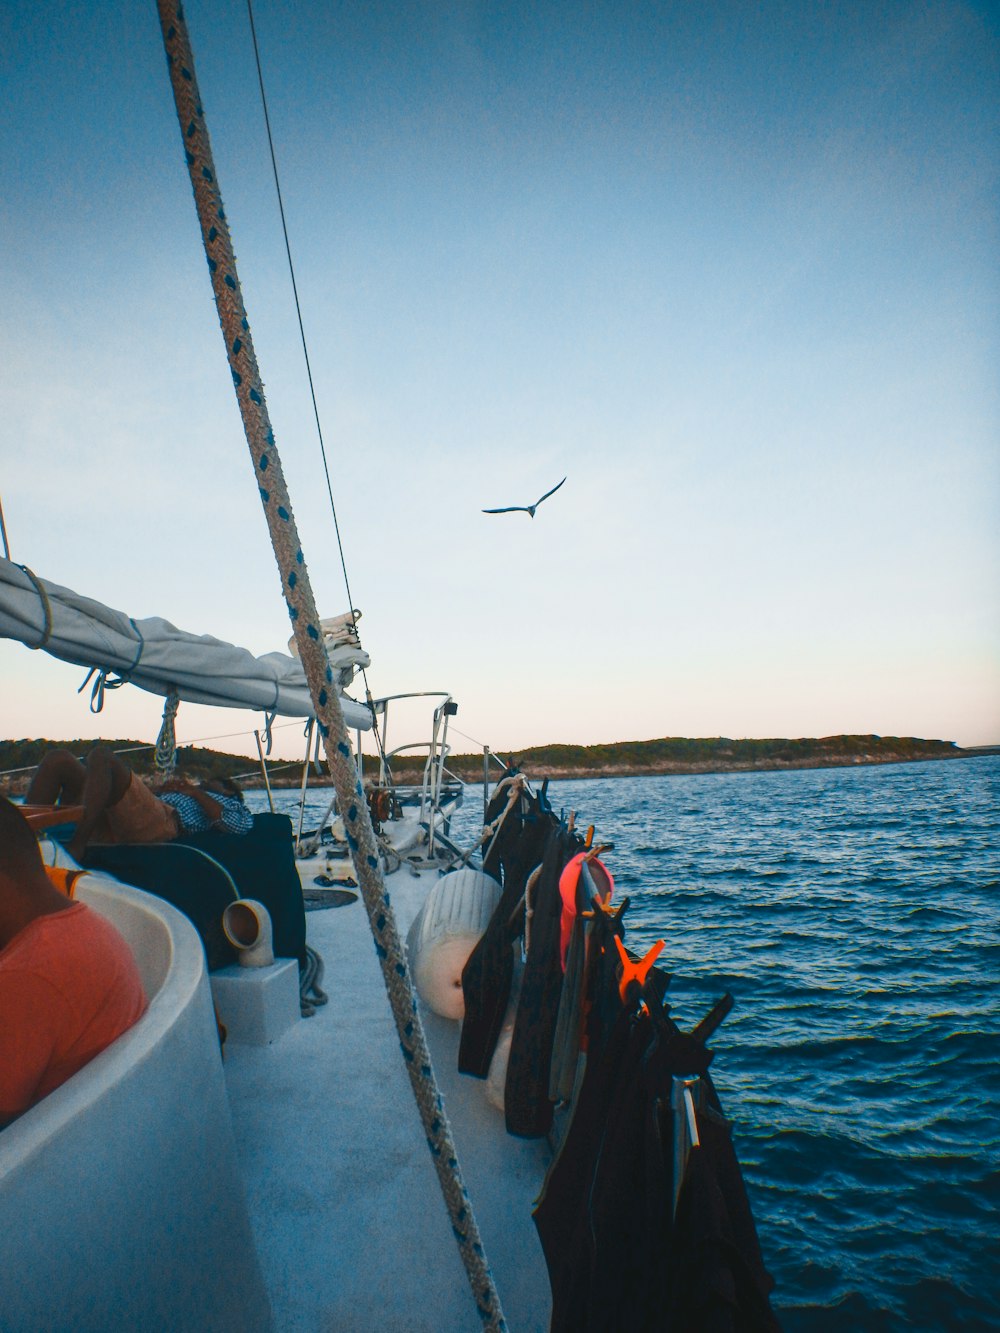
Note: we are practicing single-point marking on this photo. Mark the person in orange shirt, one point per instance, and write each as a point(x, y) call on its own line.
point(69, 985)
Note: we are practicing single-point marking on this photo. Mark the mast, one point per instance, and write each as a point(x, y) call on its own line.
point(312, 653)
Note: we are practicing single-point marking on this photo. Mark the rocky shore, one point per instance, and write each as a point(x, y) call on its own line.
point(535, 767)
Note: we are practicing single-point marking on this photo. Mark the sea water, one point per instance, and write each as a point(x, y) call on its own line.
point(852, 913)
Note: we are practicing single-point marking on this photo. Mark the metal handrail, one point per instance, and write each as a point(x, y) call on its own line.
point(437, 751)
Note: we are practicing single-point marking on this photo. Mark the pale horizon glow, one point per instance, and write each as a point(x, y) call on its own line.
point(733, 273)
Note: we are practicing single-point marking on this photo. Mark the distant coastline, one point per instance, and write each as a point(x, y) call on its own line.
point(626, 759)
point(682, 755)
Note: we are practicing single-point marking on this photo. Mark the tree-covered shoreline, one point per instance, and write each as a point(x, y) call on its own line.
point(668, 755)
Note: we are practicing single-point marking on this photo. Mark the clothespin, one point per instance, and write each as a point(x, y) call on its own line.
point(636, 972)
point(571, 822)
point(713, 1018)
point(594, 852)
point(612, 912)
point(589, 838)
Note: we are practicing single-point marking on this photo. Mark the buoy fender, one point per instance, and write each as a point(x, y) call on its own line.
point(447, 928)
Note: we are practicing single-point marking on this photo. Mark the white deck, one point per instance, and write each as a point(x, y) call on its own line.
point(350, 1224)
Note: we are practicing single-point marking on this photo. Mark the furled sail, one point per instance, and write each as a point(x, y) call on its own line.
point(152, 653)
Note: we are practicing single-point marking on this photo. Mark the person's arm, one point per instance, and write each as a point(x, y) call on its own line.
point(235, 817)
point(209, 805)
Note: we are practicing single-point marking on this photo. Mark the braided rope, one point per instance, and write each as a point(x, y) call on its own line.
point(165, 754)
point(315, 662)
point(311, 994)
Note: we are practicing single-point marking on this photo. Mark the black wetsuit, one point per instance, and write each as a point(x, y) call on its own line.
point(527, 1107)
point(616, 1257)
point(486, 977)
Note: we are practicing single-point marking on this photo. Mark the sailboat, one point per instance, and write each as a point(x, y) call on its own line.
point(295, 1185)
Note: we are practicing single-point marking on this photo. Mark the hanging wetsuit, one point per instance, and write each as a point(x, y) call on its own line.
point(616, 1257)
point(528, 1109)
point(577, 890)
point(561, 1214)
point(486, 977)
point(719, 1283)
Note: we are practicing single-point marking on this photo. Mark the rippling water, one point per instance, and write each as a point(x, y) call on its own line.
point(852, 913)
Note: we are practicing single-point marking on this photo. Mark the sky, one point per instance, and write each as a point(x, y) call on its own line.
point(731, 269)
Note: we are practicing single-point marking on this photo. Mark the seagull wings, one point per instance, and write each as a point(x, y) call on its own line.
point(547, 494)
point(525, 509)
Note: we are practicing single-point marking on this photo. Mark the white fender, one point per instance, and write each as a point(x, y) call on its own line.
point(447, 928)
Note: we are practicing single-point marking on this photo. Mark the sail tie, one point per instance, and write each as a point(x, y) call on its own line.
point(110, 678)
point(269, 719)
point(46, 607)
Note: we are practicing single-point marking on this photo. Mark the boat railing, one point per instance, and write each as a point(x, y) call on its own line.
point(438, 785)
point(432, 789)
point(434, 798)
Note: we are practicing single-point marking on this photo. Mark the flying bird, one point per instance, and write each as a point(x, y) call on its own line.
point(525, 509)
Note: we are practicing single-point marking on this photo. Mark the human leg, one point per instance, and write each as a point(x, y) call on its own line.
point(106, 781)
point(58, 779)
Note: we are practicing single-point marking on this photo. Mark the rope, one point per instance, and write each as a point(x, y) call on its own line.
point(493, 830)
point(269, 727)
point(110, 678)
point(102, 682)
point(46, 608)
point(315, 662)
point(390, 857)
point(140, 645)
point(165, 756)
point(311, 995)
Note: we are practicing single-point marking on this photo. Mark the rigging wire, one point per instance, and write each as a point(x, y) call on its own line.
point(459, 732)
point(305, 353)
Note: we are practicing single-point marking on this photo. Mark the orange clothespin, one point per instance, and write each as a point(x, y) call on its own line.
point(604, 905)
point(639, 971)
point(589, 840)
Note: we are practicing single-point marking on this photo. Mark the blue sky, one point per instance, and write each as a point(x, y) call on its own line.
point(731, 269)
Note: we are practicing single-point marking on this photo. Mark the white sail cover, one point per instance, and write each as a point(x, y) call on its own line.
point(152, 653)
